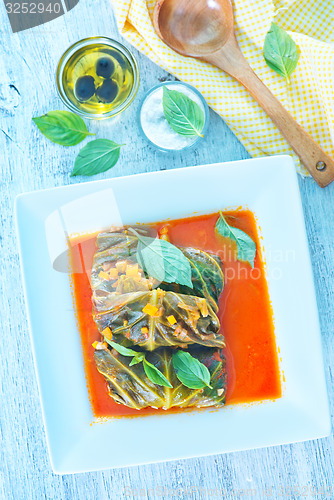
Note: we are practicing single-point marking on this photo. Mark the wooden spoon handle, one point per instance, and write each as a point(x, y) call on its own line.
point(317, 162)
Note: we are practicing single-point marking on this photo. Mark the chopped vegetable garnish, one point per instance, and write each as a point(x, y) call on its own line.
point(150, 310)
point(132, 270)
point(137, 277)
point(121, 266)
point(163, 233)
point(171, 320)
point(113, 273)
point(100, 346)
point(107, 333)
point(202, 306)
point(103, 275)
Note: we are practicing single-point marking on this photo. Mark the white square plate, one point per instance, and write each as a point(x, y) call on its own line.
point(266, 186)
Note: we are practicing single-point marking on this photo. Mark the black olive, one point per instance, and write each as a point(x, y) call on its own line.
point(118, 56)
point(107, 92)
point(105, 67)
point(84, 88)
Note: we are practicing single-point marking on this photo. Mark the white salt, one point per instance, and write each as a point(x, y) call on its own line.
point(155, 125)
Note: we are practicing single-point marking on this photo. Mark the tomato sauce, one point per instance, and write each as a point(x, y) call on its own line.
point(245, 313)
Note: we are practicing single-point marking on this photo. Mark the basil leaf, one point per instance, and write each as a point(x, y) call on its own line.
point(151, 371)
point(191, 372)
point(280, 51)
point(62, 127)
point(245, 244)
point(137, 359)
point(96, 157)
point(121, 349)
point(162, 260)
point(182, 113)
point(155, 375)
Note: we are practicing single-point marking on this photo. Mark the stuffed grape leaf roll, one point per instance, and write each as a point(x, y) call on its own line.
point(118, 247)
point(156, 318)
point(129, 385)
point(131, 306)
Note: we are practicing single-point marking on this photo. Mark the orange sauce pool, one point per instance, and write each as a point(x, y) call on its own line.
point(244, 311)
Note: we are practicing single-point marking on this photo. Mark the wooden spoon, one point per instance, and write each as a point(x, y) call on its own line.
point(205, 29)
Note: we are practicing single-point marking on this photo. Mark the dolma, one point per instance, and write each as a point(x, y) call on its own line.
point(129, 385)
point(138, 309)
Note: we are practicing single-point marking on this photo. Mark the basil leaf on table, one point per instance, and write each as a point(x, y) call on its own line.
point(182, 113)
point(245, 245)
point(155, 375)
point(191, 372)
point(163, 261)
point(96, 157)
point(62, 127)
point(280, 51)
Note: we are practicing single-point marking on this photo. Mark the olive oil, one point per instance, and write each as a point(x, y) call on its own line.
point(98, 78)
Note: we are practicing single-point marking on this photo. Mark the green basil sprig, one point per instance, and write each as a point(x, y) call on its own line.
point(245, 245)
point(191, 372)
point(163, 261)
point(62, 127)
point(151, 371)
point(96, 157)
point(280, 51)
point(155, 375)
point(182, 113)
point(125, 351)
point(68, 129)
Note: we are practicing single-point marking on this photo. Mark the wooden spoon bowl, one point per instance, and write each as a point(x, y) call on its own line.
point(205, 29)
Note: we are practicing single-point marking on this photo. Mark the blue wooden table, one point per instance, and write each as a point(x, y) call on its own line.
point(29, 162)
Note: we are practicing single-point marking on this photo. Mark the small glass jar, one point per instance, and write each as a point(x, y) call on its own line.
point(154, 125)
point(97, 78)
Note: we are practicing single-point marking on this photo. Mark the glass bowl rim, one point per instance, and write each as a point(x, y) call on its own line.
point(206, 115)
point(71, 50)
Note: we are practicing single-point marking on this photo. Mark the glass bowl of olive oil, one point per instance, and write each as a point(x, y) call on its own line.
point(97, 77)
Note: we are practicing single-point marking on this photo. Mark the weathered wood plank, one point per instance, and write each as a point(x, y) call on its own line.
point(29, 162)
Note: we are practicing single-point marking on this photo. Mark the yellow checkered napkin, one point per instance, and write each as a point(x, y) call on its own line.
point(309, 97)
